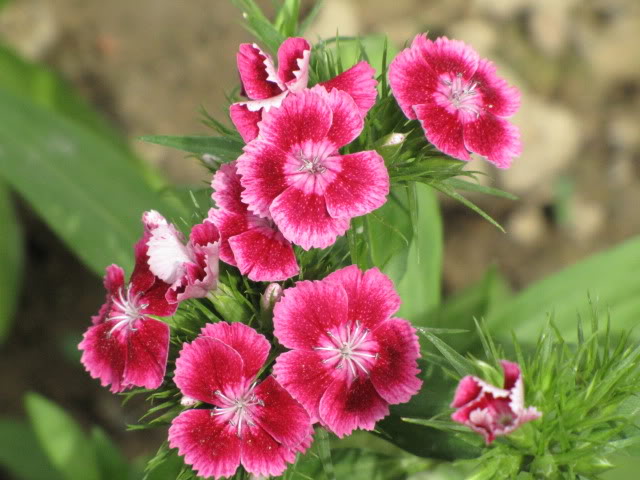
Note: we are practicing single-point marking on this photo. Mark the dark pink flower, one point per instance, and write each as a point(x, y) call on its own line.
point(125, 347)
point(493, 411)
point(459, 99)
point(267, 88)
point(258, 425)
point(253, 244)
point(294, 174)
point(191, 269)
point(349, 358)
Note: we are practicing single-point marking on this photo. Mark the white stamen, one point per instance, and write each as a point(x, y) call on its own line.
point(238, 408)
point(346, 350)
point(127, 308)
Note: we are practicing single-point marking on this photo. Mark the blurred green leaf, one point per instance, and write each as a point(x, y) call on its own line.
point(258, 24)
point(11, 259)
point(111, 462)
point(224, 148)
point(84, 188)
point(286, 21)
point(20, 453)
point(62, 439)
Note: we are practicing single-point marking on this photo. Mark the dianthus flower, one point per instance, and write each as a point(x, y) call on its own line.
point(253, 244)
point(267, 88)
point(294, 174)
point(459, 99)
point(493, 411)
point(125, 347)
point(191, 269)
point(349, 359)
point(258, 425)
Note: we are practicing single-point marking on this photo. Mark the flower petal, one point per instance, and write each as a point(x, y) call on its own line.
point(113, 282)
point(468, 390)
point(443, 129)
point(262, 175)
point(394, 372)
point(305, 377)
point(495, 138)
point(511, 374)
point(293, 63)
point(345, 407)
point(264, 255)
point(227, 189)
point(206, 443)
point(361, 186)
point(281, 416)
point(347, 123)
point(448, 56)
point(229, 224)
point(147, 351)
point(205, 366)
point(500, 98)
point(245, 120)
point(257, 72)
point(204, 234)
point(104, 355)
point(307, 311)
point(359, 82)
point(304, 220)
point(372, 296)
point(167, 253)
point(262, 455)
point(252, 347)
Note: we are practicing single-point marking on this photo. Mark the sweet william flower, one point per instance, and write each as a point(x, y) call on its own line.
point(249, 242)
point(267, 87)
point(254, 424)
point(293, 173)
point(458, 98)
point(192, 268)
point(493, 411)
point(125, 347)
point(349, 358)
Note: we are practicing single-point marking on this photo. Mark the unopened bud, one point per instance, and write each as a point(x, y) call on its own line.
point(188, 401)
point(212, 161)
point(390, 144)
point(271, 295)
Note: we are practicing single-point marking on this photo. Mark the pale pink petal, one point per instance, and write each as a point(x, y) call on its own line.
point(304, 220)
point(206, 442)
point(262, 170)
point(449, 56)
point(264, 255)
point(498, 96)
point(347, 123)
point(346, 406)
point(200, 278)
point(167, 253)
point(245, 120)
point(372, 296)
point(443, 129)
point(104, 355)
point(411, 80)
point(281, 416)
point(394, 372)
point(205, 366)
point(293, 63)
point(495, 138)
point(305, 377)
point(250, 345)
point(468, 390)
point(113, 281)
point(361, 186)
point(147, 350)
point(229, 224)
point(262, 454)
point(256, 72)
point(227, 189)
point(359, 82)
point(152, 219)
point(307, 311)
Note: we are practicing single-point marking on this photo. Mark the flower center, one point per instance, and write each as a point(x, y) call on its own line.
point(350, 346)
point(238, 409)
point(459, 94)
point(310, 164)
point(127, 308)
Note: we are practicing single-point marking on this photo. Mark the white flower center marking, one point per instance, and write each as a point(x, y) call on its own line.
point(126, 308)
point(461, 94)
point(310, 164)
point(350, 347)
point(238, 409)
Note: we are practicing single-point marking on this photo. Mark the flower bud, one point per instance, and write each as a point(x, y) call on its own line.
point(271, 295)
point(390, 144)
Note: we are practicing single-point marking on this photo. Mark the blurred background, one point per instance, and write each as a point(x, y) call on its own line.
point(147, 66)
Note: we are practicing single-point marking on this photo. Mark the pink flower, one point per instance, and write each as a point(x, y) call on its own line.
point(493, 411)
point(254, 424)
point(253, 244)
point(267, 88)
point(460, 101)
point(191, 269)
point(349, 359)
point(125, 347)
point(294, 174)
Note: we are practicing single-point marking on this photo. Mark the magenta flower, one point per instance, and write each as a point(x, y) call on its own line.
point(349, 359)
point(294, 174)
point(258, 425)
point(253, 244)
point(267, 88)
point(460, 101)
point(125, 347)
point(191, 269)
point(493, 411)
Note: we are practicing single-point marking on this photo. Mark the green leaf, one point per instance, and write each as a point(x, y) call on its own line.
point(62, 439)
point(286, 21)
point(457, 361)
point(460, 184)
point(20, 453)
point(11, 259)
point(111, 462)
point(80, 184)
point(258, 24)
point(224, 148)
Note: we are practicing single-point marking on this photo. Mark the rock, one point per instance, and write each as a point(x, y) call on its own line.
point(527, 225)
point(502, 9)
point(587, 218)
point(477, 33)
